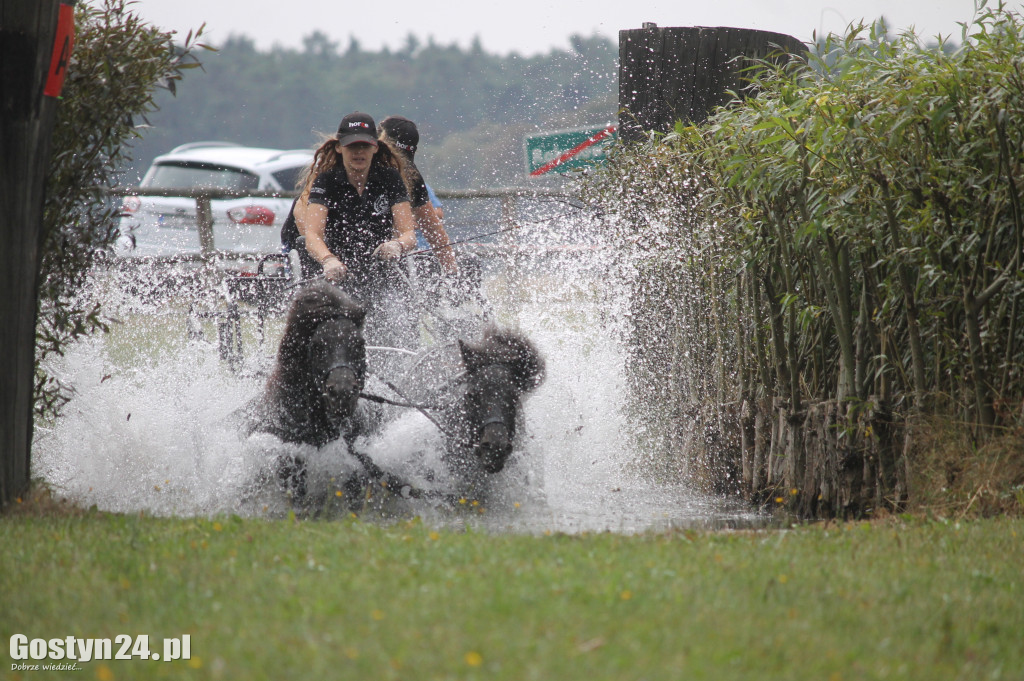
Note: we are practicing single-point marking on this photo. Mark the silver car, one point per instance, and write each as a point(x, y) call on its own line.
point(163, 226)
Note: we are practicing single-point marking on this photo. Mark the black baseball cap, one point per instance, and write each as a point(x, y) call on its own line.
point(357, 127)
point(402, 132)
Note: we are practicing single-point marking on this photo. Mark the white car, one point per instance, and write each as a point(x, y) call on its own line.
point(167, 226)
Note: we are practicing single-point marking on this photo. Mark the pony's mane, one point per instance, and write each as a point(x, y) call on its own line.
point(320, 301)
point(514, 350)
point(315, 304)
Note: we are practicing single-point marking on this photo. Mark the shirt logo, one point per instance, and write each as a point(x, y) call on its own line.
point(380, 206)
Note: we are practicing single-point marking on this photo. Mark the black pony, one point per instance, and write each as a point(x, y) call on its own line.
point(481, 420)
point(312, 394)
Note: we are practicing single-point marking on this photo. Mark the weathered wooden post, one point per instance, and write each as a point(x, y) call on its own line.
point(668, 75)
point(682, 74)
point(35, 43)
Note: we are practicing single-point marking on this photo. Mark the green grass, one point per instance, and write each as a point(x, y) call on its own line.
point(352, 600)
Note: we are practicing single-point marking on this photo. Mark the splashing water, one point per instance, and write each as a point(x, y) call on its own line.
point(153, 425)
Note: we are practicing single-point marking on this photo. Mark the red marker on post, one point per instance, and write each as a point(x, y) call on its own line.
point(63, 42)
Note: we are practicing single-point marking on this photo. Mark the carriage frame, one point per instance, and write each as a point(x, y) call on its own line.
point(229, 287)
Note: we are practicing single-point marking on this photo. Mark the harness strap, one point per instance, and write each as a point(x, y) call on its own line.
point(420, 409)
point(384, 400)
point(343, 365)
point(493, 420)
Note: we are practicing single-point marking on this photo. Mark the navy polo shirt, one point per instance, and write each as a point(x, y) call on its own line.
point(357, 224)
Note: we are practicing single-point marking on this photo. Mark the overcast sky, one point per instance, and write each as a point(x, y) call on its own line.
point(532, 26)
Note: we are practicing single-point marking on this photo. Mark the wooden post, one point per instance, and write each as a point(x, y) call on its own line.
point(204, 225)
point(28, 31)
point(682, 74)
point(508, 219)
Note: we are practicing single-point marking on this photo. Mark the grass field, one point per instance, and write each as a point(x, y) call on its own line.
point(259, 599)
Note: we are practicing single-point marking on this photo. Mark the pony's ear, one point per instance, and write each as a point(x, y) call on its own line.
point(357, 315)
point(471, 355)
point(348, 307)
point(535, 373)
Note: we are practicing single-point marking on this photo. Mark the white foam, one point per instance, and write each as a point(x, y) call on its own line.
point(158, 435)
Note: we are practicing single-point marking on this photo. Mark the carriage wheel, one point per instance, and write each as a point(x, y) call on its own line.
point(193, 323)
point(229, 337)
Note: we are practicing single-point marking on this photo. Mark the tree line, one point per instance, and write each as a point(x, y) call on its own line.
point(473, 107)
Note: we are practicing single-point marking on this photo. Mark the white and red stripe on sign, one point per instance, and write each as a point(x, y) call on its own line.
point(574, 151)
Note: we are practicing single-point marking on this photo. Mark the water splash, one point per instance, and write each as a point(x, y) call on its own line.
point(154, 426)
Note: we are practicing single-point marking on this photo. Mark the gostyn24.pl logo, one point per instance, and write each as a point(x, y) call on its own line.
point(70, 650)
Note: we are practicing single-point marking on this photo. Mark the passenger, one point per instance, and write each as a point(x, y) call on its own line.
point(402, 135)
point(355, 216)
point(436, 203)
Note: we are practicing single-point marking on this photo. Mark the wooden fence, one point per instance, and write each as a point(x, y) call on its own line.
point(208, 250)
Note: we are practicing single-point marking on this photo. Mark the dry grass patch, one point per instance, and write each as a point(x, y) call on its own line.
point(952, 475)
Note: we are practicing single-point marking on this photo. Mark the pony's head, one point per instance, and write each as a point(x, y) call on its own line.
point(500, 370)
point(337, 364)
point(321, 364)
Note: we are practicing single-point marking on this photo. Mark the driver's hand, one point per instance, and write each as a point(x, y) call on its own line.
point(334, 270)
point(389, 250)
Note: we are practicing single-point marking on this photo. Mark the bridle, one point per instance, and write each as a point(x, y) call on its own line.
point(496, 417)
point(358, 371)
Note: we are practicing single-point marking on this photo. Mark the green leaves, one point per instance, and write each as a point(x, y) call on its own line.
point(874, 194)
point(116, 64)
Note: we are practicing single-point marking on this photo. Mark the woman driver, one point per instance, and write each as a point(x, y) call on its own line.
point(357, 222)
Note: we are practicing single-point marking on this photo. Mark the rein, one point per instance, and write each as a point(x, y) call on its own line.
point(414, 293)
point(463, 241)
point(420, 409)
point(384, 400)
point(497, 231)
point(423, 408)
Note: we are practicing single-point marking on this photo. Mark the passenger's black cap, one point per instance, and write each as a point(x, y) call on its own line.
point(402, 132)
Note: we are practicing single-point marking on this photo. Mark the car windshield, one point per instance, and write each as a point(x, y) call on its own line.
point(288, 178)
point(189, 175)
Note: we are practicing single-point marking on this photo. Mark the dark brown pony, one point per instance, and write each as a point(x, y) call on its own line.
point(313, 390)
point(481, 422)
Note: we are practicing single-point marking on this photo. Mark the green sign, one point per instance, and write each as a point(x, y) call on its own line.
point(567, 149)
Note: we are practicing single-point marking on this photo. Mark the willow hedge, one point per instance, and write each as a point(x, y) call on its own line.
point(843, 239)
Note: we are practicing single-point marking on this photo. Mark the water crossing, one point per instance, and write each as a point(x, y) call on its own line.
point(153, 425)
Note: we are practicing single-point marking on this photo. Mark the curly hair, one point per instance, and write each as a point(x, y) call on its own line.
point(327, 156)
